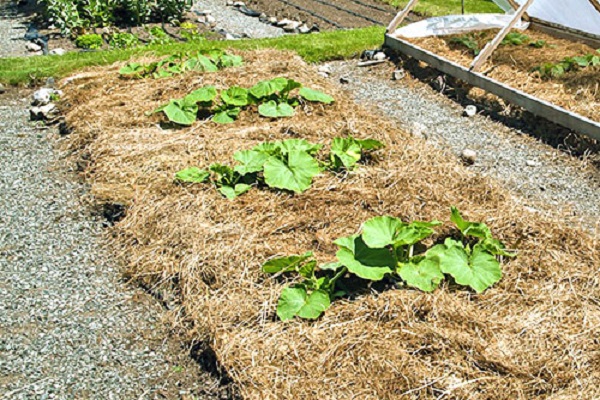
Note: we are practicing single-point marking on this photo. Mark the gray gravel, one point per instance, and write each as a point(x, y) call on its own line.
point(68, 327)
point(12, 29)
point(233, 21)
point(542, 177)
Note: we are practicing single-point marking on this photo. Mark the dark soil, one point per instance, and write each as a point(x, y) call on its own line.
point(330, 14)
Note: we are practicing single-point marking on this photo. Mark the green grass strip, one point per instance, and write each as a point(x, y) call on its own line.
point(437, 8)
point(319, 47)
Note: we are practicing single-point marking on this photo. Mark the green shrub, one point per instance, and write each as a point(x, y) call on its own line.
point(91, 41)
point(123, 40)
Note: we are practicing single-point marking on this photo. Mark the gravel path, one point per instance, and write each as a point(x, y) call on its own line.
point(546, 179)
point(68, 327)
point(12, 29)
point(233, 21)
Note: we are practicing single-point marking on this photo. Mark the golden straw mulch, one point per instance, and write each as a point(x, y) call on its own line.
point(532, 336)
point(577, 91)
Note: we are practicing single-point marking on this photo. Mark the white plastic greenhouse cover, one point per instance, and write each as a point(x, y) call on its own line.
point(576, 14)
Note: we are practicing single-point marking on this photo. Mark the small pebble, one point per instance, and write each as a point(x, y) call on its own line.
point(2, 88)
point(344, 80)
point(470, 111)
point(33, 47)
point(379, 56)
point(398, 75)
point(468, 156)
point(531, 163)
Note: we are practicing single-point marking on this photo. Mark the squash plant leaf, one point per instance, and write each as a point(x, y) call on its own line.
point(475, 229)
point(192, 175)
point(315, 96)
point(265, 89)
point(231, 192)
point(272, 109)
point(204, 95)
point(422, 273)
point(370, 144)
point(180, 113)
point(229, 60)
point(285, 264)
point(289, 145)
point(226, 115)
point(235, 96)
point(379, 232)
point(133, 70)
point(414, 232)
point(294, 173)
point(295, 301)
point(201, 63)
point(363, 261)
point(251, 161)
point(291, 85)
point(477, 269)
point(345, 152)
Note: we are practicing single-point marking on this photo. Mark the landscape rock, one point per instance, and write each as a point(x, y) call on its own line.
point(531, 163)
point(469, 156)
point(204, 12)
point(44, 96)
point(57, 52)
point(379, 56)
point(398, 75)
point(210, 19)
point(239, 4)
point(292, 26)
point(325, 69)
point(273, 20)
point(344, 80)
point(33, 47)
point(201, 19)
point(303, 29)
point(2, 89)
point(263, 17)
point(229, 3)
point(43, 113)
point(284, 22)
point(50, 82)
point(470, 111)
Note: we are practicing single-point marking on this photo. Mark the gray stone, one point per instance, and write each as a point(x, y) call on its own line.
point(43, 113)
point(57, 52)
point(273, 20)
point(284, 22)
point(419, 130)
point(2, 88)
point(33, 47)
point(292, 26)
point(468, 156)
point(531, 163)
point(470, 111)
point(43, 96)
point(210, 20)
point(204, 12)
point(325, 69)
point(239, 4)
point(303, 29)
point(398, 75)
point(379, 56)
point(229, 3)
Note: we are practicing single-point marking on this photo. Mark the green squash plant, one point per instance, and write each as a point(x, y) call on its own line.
point(287, 165)
point(176, 64)
point(386, 248)
point(568, 64)
point(273, 98)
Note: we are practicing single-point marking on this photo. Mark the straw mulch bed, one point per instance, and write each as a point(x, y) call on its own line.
point(534, 335)
point(577, 91)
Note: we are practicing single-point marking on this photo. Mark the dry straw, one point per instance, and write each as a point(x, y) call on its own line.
point(534, 335)
point(577, 91)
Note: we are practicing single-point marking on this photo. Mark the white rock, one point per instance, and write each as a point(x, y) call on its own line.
point(284, 22)
point(531, 163)
point(33, 47)
point(323, 74)
point(204, 12)
point(303, 29)
point(229, 3)
point(273, 20)
point(326, 69)
point(470, 111)
point(468, 156)
point(42, 113)
point(229, 36)
point(292, 26)
point(57, 52)
point(202, 19)
point(2, 88)
point(52, 27)
point(380, 55)
point(44, 96)
point(239, 4)
point(210, 19)
point(398, 75)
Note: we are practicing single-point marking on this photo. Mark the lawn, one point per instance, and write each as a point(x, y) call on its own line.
point(445, 7)
point(325, 46)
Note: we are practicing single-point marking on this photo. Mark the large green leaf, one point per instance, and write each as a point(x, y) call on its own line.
point(379, 232)
point(235, 96)
point(134, 70)
point(384, 231)
point(475, 229)
point(226, 115)
point(204, 95)
point(192, 175)
point(231, 192)
point(285, 264)
point(478, 270)
point(272, 109)
point(315, 96)
point(201, 63)
point(291, 85)
point(370, 144)
point(422, 273)
point(363, 261)
point(267, 88)
point(228, 60)
point(345, 152)
point(294, 174)
point(251, 161)
point(180, 113)
point(289, 145)
point(294, 301)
